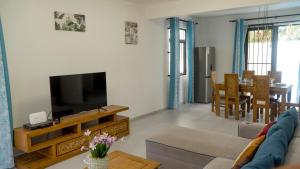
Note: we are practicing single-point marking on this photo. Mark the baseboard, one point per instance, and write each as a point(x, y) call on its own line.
point(148, 114)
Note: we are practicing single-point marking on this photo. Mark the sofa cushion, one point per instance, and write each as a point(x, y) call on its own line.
point(287, 124)
point(291, 112)
point(288, 121)
point(219, 163)
point(275, 145)
point(202, 141)
point(290, 166)
point(293, 154)
point(265, 130)
point(247, 154)
point(263, 162)
point(249, 130)
point(297, 132)
point(175, 158)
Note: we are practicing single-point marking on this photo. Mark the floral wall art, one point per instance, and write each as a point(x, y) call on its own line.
point(131, 33)
point(69, 22)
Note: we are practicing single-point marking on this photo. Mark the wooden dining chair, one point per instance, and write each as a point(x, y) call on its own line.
point(213, 95)
point(232, 96)
point(276, 75)
point(261, 99)
point(247, 74)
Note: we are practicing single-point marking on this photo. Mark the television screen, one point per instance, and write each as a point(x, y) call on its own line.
point(71, 94)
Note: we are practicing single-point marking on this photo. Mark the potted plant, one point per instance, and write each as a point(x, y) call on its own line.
point(98, 146)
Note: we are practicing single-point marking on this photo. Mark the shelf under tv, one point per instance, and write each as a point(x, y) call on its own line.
point(47, 146)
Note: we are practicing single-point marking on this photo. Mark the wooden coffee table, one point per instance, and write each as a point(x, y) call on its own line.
point(121, 160)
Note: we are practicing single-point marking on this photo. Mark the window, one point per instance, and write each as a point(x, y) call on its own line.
point(182, 53)
point(258, 50)
point(259, 47)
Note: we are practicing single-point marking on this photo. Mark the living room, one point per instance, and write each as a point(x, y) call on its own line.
point(138, 72)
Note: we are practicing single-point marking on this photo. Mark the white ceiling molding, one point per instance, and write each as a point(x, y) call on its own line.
point(147, 2)
point(294, 5)
point(169, 8)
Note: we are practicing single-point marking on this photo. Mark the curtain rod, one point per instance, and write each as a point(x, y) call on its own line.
point(272, 23)
point(268, 17)
point(183, 20)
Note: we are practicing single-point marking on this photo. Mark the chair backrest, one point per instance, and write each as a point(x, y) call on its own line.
point(231, 85)
point(276, 75)
point(213, 78)
point(247, 74)
point(261, 90)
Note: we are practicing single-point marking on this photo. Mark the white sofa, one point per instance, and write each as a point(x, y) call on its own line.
point(184, 148)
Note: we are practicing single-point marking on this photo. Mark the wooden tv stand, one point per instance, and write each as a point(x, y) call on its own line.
point(47, 146)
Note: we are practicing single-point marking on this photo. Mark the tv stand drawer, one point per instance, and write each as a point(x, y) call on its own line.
point(72, 145)
point(116, 128)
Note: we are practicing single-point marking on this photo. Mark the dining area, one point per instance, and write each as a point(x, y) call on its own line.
point(264, 97)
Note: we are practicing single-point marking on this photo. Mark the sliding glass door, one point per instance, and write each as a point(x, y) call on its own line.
point(288, 55)
point(274, 48)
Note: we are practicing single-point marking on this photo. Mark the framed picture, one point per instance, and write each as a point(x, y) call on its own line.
point(69, 22)
point(131, 33)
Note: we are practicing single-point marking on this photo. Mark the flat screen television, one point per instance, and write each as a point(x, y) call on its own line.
point(71, 94)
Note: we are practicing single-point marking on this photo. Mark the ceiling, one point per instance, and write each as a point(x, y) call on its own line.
point(273, 7)
point(148, 2)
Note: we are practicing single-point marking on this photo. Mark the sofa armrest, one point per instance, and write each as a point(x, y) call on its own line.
point(249, 130)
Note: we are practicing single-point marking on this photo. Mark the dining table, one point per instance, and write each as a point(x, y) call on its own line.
point(280, 89)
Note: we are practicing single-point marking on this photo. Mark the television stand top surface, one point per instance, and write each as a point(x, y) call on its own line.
point(81, 117)
point(96, 113)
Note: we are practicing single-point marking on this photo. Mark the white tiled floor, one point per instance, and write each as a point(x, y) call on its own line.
point(197, 116)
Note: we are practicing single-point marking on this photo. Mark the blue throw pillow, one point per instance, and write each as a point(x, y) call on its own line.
point(284, 114)
point(291, 112)
point(295, 114)
point(287, 124)
point(263, 162)
point(275, 145)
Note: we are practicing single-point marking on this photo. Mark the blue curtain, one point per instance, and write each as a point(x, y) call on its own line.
point(174, 64)
point(298, 88)
point(238, 65)
point(274, 47)
point(6, 150)
point(190, 57)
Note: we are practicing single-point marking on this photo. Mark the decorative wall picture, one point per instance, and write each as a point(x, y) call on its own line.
point(69, 22)
point(131, 33)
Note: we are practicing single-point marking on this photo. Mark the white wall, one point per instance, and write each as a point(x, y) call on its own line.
point(136, 74)
point(217, 31)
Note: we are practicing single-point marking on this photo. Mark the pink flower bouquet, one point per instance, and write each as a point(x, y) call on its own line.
point(99, 144)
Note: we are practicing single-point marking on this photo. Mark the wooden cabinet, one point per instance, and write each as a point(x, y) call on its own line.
point(47, 146)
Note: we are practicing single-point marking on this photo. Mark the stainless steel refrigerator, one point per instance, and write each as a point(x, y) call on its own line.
point(204, 64)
